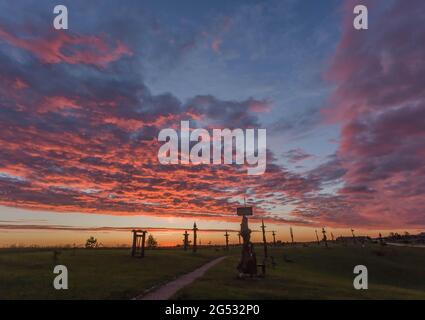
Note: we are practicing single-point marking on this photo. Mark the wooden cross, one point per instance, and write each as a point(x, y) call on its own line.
point(292, 234)
point(325, 239)
point(226, 235)
point(263, 227)
point(185, 240)
point(194, 237)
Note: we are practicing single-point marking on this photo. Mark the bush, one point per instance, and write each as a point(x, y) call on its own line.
point(152, 243)
point(91, 243)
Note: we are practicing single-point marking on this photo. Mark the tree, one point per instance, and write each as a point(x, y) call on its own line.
point(91, 243)
point(152, 243)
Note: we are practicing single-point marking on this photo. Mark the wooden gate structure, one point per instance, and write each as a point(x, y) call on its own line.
point(138, 247)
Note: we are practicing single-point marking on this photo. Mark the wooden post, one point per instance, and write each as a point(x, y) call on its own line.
point(194, 237)
point(133, 247)
point(354, 237)
point(263, 227)
point(332, 236)
point(292, 234)
point(185, 240)
point(317, 237)
point(274, 237)
point(142, 252)
point(325, 239)
point(381, 241)
point(239, 236)
point(226, 235)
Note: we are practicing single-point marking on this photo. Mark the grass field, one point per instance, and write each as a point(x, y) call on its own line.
point(319, 273)
point(301, 273)
point(93, 274)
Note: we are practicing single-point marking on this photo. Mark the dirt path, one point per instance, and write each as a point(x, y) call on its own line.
point(167, 290)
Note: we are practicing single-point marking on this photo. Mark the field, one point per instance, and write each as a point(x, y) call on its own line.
point(319, 273)
point(93, 273)
point(300, 273)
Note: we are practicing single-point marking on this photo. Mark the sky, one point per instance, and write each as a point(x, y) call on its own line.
point(81, 109)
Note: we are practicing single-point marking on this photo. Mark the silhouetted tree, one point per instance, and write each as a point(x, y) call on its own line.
point(152, 243)
point(91, 243)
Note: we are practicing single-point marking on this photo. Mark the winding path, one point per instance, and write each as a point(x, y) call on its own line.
point(167, 290)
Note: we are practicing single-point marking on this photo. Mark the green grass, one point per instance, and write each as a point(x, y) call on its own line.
point(313, 273)
point(93, 274)
point(318, 273)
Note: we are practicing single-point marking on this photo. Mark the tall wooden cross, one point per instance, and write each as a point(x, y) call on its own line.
point(248, 262)
point(226, 235)
point(317, 237)
point(194, 237)
point(292, 234)
point(274, 237)
point(185, 240)
point(263, 227)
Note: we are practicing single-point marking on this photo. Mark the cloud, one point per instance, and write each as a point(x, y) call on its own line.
point(380, 101)
point(226, 114)
point(297, 155)
point(300, 123)
point(79, 134)
point(79, 125)
point(63, 47)
point(45, 227)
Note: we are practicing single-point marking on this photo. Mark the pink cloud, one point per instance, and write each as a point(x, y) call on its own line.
point(380, 101)
point(216, 44)
point(260, 106)
point(83, 49)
